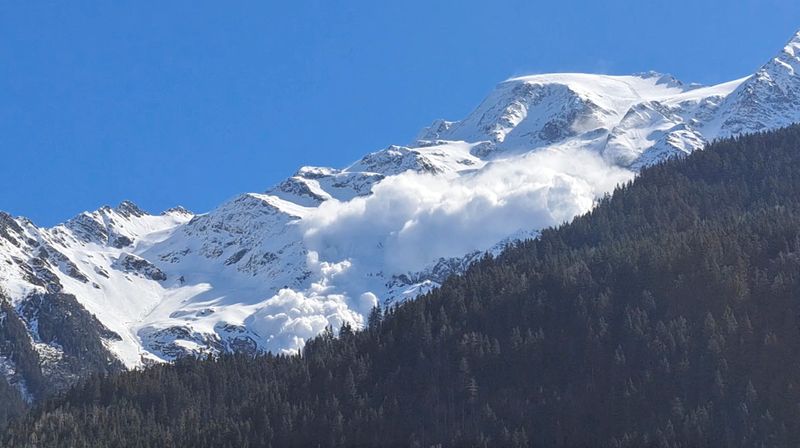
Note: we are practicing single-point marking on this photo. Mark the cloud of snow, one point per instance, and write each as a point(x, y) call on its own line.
point(290, 318)
point(413, 219)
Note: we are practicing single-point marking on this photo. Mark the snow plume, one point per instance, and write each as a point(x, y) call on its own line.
point(413, 219)
point(290, 317)
point(410, 221)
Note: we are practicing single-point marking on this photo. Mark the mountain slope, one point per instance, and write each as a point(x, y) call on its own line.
point(667, 316)
point(266, 271)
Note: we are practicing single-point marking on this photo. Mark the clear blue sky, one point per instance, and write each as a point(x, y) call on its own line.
point(190, 103)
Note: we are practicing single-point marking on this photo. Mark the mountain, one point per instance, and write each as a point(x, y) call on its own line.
point(667, 316)
point(267, 271)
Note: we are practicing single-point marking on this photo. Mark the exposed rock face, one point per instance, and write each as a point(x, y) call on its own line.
point(50, 341)
point(139, 266)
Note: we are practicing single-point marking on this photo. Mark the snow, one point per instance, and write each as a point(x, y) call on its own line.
point(267, 271)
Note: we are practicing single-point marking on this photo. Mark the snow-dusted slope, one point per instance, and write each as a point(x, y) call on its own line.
point(266, 271)
point(93, 256)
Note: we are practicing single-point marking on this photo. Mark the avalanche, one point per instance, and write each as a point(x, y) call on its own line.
point(266, 271)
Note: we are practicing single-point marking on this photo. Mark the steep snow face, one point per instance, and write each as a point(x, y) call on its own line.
point(539, 110)
point(267, 271)
point(633, 121)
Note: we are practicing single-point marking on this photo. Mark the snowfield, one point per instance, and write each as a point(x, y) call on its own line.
point(267, 271)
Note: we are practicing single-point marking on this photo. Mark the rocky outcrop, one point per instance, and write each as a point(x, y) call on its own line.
point(139, 266)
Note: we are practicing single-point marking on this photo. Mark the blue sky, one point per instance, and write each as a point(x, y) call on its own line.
point(190, 103)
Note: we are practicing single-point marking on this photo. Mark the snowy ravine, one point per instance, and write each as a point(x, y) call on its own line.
point(267, 271)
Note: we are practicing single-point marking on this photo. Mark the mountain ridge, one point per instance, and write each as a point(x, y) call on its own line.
point(666, 316)
point(266, 271)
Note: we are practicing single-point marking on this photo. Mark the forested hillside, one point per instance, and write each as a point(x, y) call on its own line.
point(33, 373)
point(668, 316)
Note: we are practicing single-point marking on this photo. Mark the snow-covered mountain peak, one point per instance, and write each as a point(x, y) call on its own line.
point(122, 225)
point(576, 109)
point(793, 46)
point(177, 211)
point(786, 64)
point(394, 160)
point(665, 79)
point(768, 99)
point(128, 208)
point(265, 271)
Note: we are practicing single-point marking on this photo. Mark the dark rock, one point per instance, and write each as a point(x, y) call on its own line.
point(88, 229)
point(139, 266)
point(60, 321)
point(121, 241)
point(41, 269)
point(295, 186)
point(7, 226)
point(236, 257)
point(128, 209)
point(76, 273)
point(165, 341)
point(177, 211)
